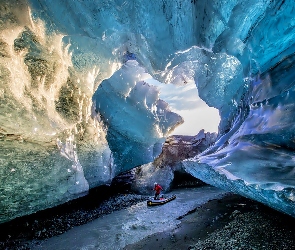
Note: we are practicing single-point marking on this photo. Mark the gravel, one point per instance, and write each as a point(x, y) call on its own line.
point(251, 231)
point(23, 232)
point(232, 222)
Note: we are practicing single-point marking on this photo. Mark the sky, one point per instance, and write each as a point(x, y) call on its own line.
point(185, 101)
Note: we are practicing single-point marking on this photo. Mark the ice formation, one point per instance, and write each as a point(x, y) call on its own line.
point(137, 120)
point(57, 139)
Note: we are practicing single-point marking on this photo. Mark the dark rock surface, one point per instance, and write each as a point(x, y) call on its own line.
point(167, 169)
point(22, 232)
point(233, 222)
point(179, 147)
point(182, 179)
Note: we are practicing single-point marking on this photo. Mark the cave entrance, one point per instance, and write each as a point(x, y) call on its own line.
point(185, 101)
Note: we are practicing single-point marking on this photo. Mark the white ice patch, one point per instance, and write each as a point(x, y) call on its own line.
point(68, 150)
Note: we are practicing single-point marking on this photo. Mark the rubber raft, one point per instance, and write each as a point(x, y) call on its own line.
point(160, 201)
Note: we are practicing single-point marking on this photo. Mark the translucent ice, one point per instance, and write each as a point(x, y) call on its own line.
point(137, 120)
point(56, 54)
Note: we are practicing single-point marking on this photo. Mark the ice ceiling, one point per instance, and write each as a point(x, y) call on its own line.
point(76, 110)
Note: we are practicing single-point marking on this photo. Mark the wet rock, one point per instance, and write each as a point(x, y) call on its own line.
point(166, 168)
point(55, 221)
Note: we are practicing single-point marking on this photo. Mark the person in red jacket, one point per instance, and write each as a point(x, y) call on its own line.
point(158, 190)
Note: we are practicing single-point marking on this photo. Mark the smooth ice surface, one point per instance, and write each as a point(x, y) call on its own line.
point(127, 226)
point(55, 54)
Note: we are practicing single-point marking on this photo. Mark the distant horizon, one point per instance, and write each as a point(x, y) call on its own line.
point(197, 119)
point(185, 101)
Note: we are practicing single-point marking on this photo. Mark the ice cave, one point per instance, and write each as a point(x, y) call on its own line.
point(77, 108)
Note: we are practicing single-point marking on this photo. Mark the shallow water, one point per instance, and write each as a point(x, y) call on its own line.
point(115, 231)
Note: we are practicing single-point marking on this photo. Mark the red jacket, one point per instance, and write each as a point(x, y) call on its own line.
point(158, 188)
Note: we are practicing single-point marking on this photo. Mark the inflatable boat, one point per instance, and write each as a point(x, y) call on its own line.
point(162, 200)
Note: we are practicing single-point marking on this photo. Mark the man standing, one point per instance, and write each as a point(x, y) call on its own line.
point(158, 190)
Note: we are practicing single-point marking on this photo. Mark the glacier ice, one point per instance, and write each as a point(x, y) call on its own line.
point(62, 64)
point(255, 155)
point(53, 146)
point(137, 120)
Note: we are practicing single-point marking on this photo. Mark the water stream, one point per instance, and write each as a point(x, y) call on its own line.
point(115, 231)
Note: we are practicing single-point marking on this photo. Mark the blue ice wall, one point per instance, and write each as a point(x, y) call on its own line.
point(255, 155)
point(55, 55)
point(137, 120)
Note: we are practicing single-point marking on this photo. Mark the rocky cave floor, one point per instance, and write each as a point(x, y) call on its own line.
point(232, 222)
point(23, 232)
